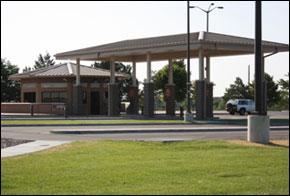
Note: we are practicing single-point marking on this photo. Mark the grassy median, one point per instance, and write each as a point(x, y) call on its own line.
point(127, 167)
point(44, 122)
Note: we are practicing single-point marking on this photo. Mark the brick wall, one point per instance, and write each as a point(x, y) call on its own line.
point(42, 108)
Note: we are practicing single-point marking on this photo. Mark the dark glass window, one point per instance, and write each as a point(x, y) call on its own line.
point(243, 102)
point(62, 96)
point(54, 96)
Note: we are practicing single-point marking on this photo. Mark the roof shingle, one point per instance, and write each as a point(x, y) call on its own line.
point(62, 70)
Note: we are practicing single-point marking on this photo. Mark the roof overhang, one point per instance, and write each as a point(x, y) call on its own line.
point(130, 50)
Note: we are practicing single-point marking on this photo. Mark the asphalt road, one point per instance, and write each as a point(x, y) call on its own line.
point(272, 114)
point(192, 132)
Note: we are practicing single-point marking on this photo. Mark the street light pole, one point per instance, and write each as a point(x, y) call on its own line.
point(188, 59)
point(207, 13)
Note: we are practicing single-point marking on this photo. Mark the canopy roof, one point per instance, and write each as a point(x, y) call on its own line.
point(172, 46)
point(66, 70)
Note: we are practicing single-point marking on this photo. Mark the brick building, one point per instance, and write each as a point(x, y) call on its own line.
point(55, 84)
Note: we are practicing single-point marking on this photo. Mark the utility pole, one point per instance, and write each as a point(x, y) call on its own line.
point(249, 76)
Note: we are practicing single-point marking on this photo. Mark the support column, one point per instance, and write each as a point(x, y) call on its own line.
point(134, 73)
point(208, 69)
point(112, 71)
point(133, 94)
point(209, 90)
point(209, 100)
point(170, 91)
point(148, 67)
point(170, 73)
point(77, 92)
point(149, 91)
point(113, 100)
point(78, 73)
point(113, 91)
point(201, 90)
point(201, 65)
point(170, 99)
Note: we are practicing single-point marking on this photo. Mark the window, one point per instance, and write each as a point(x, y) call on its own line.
point(29, 97)
point(54, 96)
point(244, 102)
point(46, 97)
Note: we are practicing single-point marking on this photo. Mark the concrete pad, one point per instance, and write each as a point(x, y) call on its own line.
point(259, 129)
point(30, 147)
point(188, 117)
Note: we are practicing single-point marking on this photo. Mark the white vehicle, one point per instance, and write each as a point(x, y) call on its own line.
point(240, 106)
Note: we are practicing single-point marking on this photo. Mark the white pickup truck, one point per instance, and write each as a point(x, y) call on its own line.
point(240, 106)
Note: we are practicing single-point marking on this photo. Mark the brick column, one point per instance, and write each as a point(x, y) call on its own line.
point(113, 100)
point(149, 99)
point(170, 99)
point(200, 99)
point(209, 100)
point(77, 100)
point(134, 100)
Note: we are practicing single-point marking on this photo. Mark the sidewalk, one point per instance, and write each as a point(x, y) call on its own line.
point(29, 147)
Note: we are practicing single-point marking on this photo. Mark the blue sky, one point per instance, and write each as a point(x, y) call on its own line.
point(30, 28)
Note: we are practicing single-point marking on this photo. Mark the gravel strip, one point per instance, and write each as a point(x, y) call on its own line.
point(8, 142)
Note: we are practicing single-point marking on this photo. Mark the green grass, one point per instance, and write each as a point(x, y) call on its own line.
point(15, 122)
point(125, 167)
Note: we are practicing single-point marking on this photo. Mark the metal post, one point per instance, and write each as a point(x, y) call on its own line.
point(31, 110)
point(258, 59)
point(188, 61)
point(249, 75)
point(207, 20)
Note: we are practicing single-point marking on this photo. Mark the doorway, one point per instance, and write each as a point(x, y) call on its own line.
point(95, 103)
point(29, 97)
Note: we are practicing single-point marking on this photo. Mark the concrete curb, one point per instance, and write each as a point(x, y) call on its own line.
point(155, 130)
point(29, 147)
point(84, 124)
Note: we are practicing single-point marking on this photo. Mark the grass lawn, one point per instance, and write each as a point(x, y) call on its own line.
point(17, 122)
point(127, 167)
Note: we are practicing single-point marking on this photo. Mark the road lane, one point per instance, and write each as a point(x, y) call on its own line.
point(199, 132)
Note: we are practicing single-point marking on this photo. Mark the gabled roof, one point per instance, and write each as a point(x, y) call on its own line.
point(66, 70)
point(173, 46)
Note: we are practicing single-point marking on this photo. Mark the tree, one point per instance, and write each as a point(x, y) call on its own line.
point(10, 90)
point(179, 79)
point(44, 61)
point(284, 93)
point(238, 90)
point(125, 84)
point(27, 69)
point(273, 95)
